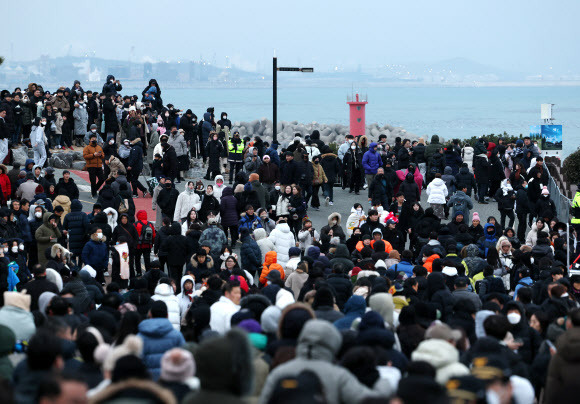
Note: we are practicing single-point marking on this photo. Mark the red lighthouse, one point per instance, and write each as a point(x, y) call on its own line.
point(357, 116)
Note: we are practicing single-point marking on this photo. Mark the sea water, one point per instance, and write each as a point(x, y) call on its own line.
point(452, 112)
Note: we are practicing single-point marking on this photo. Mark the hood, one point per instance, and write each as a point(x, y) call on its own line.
point(409, 178)
point(448, 170)
point(183, 279)
point(228, 191)
point(485, 233)
point(434, 139)
point(319, 340)
point(355, 305)
point(155, 327)
point(110, 77)
point(283, 227)
point(219, 177)
point(333, 216)
point(438, 182)
point(436, 352)
point(383, 304)
point(271, 258)
point(260, 234)
point(62, 199)
point(76, 206)
point(464, 170)
point(142, 215)
point(28, 161)
point(341, 251)
point(313, 252)
point(207, 116)
point(472, 250)
point(372, 147)
point(46, 218)
point(164, 289)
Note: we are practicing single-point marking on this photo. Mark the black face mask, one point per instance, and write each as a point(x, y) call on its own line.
point(174, 132)
point(94, 142)
point(168, 186)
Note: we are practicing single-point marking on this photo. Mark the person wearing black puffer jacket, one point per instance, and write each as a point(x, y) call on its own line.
point(409, 189)
point(76, 223)
point(466, 178)
point(438, 294)
point(341, 283)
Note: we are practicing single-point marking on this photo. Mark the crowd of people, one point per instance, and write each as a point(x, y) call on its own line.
point(231, 295)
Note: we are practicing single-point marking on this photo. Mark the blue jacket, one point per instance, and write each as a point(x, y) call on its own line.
point(158, 337)
point(371, 160)
point(272, 151)
point(488, 241)
point(206, 128)
point(249, 223)
point(403, 266)
point(524, 282)
point(354, 308)
point(77, 225)
point(24, 226)
point(96, 253)
point(251, 256)
point(136, 158)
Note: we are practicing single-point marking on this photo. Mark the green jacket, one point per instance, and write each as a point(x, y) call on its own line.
point(43, 235)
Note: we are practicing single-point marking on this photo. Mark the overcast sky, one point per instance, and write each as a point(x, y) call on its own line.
point(521, 35)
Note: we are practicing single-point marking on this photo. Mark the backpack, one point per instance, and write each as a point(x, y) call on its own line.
point(146, 233)
point(124, 206)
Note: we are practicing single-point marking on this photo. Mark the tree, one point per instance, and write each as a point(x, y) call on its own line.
point(571, 168)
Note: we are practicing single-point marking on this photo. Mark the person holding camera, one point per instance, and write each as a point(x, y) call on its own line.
point(307, 235)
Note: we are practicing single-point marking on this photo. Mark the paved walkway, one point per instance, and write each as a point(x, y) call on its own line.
point(343, 202)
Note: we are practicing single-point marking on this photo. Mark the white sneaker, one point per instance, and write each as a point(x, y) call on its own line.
point(330, 203)
point(327, 200)
point(365, 186)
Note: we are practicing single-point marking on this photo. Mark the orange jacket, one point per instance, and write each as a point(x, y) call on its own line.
point(388, 246)
point(429, 262)
point(270, 263)
point(90, 158)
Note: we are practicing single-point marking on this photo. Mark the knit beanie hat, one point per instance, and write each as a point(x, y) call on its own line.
point(475, 217)
point(16, 299)
point(545, 191)
point(177, 365)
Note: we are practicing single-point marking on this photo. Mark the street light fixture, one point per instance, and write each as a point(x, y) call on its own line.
point(275, 70)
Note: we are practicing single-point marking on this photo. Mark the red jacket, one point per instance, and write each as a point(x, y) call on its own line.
point(141, 222)
point(5, 182)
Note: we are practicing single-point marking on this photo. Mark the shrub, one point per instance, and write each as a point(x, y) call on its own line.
point(494, 138)
point(571, 168)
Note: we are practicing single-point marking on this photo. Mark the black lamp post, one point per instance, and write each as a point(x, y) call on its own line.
point(275, 70)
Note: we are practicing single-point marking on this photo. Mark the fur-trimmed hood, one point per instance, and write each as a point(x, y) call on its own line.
point(335, 215)
point(208, 260)
point(63, 250)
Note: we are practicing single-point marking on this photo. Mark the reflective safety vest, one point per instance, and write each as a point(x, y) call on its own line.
point(576, 209)
point(235, 151)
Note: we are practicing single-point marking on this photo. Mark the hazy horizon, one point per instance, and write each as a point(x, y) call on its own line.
point(506, 35)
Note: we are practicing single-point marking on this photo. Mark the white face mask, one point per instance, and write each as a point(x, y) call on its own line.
point(38, 214)
point(334, 222)
point(99, 236)
point(94, 130)
point(277, 187)
point(21, 246)
point(5, 249)
point(514, 318)
point(353, 147)
point(350, 141)
point(359, 210)
point(15, 249)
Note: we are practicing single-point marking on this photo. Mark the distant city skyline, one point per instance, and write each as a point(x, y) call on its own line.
point(505, 35)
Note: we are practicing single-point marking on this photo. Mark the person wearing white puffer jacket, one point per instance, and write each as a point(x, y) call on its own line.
point(266, 245)
point(437, 191)
point(283, 240)
point(164, 292)
point(185, 201)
